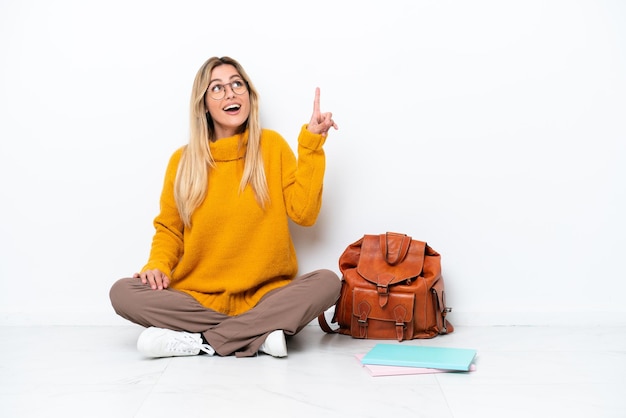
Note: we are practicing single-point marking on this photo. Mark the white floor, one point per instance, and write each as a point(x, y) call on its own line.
point(521, 372)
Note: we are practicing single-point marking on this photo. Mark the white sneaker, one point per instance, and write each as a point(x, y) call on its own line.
point(275, 344)
point(160, 342)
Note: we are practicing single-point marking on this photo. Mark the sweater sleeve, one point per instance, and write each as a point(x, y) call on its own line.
point(167, 243)
point(304, 182)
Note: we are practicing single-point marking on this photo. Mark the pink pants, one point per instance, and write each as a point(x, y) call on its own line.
point(289, 308)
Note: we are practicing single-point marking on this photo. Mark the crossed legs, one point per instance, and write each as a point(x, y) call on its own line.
point(289, 309)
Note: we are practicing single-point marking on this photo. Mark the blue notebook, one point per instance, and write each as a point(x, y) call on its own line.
point(418, 356)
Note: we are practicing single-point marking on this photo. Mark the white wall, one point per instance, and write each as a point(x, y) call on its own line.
point(492, 130)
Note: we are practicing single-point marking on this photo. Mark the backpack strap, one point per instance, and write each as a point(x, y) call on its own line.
point(321, 319)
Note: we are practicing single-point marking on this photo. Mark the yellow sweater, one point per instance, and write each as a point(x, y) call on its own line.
point(235, 251)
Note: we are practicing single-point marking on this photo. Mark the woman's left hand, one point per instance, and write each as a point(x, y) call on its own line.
point(320, 122)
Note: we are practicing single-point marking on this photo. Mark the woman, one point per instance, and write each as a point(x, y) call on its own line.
point(221, 277)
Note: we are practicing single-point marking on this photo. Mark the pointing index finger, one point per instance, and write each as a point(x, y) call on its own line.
point(316, 102)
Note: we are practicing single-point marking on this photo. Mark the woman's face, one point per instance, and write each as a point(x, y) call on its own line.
point(227, 100)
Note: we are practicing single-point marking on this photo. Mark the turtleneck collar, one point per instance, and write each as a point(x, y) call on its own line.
point(230, 148)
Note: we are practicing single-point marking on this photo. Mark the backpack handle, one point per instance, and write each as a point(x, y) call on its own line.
point(394, 247)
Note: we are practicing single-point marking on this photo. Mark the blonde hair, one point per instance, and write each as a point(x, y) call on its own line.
point(191, 183)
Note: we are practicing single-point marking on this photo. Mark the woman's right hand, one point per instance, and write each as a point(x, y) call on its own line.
point(155, 278)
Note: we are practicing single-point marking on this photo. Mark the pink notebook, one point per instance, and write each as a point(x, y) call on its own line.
point(376, 370)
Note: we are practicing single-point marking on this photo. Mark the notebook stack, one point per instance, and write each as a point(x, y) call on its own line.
point(399, 359)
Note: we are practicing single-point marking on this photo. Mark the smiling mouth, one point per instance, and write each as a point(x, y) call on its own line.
point(232, 108)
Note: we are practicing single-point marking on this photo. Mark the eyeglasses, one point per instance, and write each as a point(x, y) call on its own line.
point(218, 91)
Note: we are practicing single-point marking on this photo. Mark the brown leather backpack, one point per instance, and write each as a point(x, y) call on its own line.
point(392, 288)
